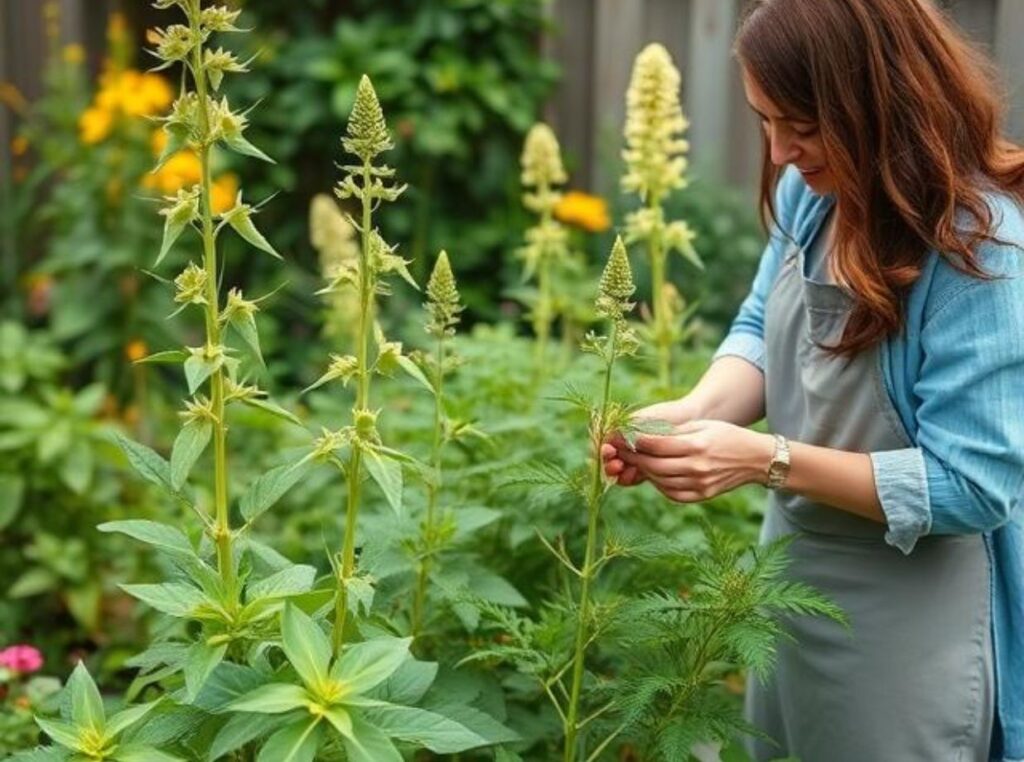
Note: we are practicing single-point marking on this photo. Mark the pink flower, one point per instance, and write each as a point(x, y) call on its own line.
point(23, 659)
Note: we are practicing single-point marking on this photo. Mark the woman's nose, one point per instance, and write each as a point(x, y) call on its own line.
point(783, 150)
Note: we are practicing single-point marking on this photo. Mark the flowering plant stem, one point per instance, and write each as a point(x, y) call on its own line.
point(662, 331)
point(433, 488)
point(222, 528)
point(366, 304)
point(590, 567)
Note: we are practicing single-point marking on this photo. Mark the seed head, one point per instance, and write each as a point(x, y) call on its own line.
point(174, 43)
point(367, 130)
point(218, 18)
point(617, 278)
point(442, 305)
point(191, 285)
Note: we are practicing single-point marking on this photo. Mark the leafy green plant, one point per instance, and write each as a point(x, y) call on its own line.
point(654, 168)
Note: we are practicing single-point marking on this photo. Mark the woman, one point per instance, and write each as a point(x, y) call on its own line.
point(883, 340)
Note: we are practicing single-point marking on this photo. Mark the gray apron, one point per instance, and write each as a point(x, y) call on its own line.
point(912, 681)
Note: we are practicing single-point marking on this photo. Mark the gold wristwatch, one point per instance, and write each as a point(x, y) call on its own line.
point(778, 469)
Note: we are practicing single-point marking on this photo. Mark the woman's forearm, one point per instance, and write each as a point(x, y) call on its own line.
point(843, 480)
point(731, 389)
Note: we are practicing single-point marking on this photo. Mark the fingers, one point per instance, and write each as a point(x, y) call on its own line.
point(664, 446)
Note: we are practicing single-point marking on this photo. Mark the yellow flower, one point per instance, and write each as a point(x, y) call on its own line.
point(181, 170)
point(74, 54)
point(136, 350)
point(94, 125)
point(223, 192)
point(583, 210)
point(19, 146)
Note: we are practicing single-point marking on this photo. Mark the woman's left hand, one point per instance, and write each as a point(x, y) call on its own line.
point(702, 459)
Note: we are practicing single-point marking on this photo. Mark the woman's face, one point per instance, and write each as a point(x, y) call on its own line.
point(793, 139)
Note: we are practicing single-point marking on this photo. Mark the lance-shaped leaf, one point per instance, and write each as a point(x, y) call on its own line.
point(188, 446)
point(342, 367)
point(146, 462)
point(272, 408)
point(291, 581)
point(177, 139)
point(127, 717)
point(239, 144)
point(162, 536)
point(240, 314)
point(62, 732)
point(179, 214)
point(419, 726)
point(170, 356)
point(86, 703)
point(200, 661)
point(369, 744)
point(202, 363)
point(388, 475)
point(413, 370)
point(268, 488)
point(240, 218)
point(297, 742)
point(272, 698)
point(368, 664)
point(174, 598)
point(305, 645)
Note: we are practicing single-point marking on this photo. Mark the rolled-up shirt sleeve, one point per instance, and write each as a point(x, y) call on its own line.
point(966, 474)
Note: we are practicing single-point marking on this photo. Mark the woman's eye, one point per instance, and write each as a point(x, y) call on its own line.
point(805, 132)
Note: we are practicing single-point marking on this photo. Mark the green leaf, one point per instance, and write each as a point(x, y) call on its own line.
point(174, 226)
point(11, 494)
point(366, 665)
point(368, 744)
point(494, 589)
point(239, 144)
point(146, 462)
point(171, 356)
point(434, 731)
point(142, 753)
point(174, 598)
point(42, 754)
point(269, 407)
point(83, 601)
point(61, 732)
point(293, 743)
point(200, 661)
point(340, 719)
point(238, 731)
point(388, 475)
point(295, 579)
point(271, 486)
point(244, 324)
point(409, 682)
point(414, 372)
point(162, 536)
point(227, 683)
point(272, 698)
point(33, 581)
point(124, 719)
point(86, 702)
point(305, 645)
point(241, 223)
point(77, 467)
point(198, 368)
point(188, 446)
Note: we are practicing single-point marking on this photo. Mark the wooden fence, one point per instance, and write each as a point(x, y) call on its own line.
point(595, 43)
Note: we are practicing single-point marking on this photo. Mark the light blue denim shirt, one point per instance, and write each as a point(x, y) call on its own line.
point(955, 376)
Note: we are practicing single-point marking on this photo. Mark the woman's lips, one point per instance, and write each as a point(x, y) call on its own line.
point(810, 172)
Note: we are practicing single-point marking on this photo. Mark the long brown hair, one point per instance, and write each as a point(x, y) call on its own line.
point(911, 120)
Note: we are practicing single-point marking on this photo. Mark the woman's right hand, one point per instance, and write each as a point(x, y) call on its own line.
point(676, 412)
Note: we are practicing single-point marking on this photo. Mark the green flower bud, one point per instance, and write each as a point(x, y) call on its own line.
point(191, 285)
point(617, 278)
point(366, 426)
point(199, 410)
point(329, 441)
point(217, 63)
point(367, 130)
point(174, 43)
point(238, 307)
point(442, 305)
point(218, 18)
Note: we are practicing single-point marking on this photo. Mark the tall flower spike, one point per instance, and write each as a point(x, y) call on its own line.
point(367, 131)
point(654, 125)
point(443, 299)
point(542, 167)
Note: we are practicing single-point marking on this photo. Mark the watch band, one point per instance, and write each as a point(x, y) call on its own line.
point(778, 469)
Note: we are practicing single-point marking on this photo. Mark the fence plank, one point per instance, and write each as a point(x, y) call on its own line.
point(1009, 53)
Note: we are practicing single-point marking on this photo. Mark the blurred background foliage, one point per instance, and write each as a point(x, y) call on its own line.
point(461, 82)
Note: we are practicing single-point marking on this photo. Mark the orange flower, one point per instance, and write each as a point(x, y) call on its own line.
point(19, 146)
point(223, 192)
point(583, 210)
point(94, 125)
point(135, 350)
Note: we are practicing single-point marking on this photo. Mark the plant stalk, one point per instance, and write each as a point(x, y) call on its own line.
point(588, 572)
point(362, 403)
point(656, 252)
point(222, 526)
point(432, 491)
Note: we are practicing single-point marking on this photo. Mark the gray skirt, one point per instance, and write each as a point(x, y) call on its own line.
point(912, 681)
